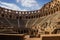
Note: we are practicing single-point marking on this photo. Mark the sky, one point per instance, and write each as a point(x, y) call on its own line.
point(23, 5)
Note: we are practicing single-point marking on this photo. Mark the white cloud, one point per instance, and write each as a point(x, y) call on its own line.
point(28, 3)
point(11, 6)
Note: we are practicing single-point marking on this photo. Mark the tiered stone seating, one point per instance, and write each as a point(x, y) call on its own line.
point(22, 23)
point(39, 20)
point(14, 22)
point(31, 21)
point(2, 20)
point(7, 29)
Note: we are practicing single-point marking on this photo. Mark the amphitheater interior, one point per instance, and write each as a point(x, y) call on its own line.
point(34, 23)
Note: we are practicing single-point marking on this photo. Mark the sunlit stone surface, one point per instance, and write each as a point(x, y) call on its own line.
point(32, 24)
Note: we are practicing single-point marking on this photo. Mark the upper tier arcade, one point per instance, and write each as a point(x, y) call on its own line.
point(47, 9)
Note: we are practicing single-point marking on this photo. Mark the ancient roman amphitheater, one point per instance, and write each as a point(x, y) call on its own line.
point(32, 24)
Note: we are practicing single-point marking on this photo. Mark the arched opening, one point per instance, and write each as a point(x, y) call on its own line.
point(2, 15)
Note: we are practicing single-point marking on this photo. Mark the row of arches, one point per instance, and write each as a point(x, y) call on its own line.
point(30, 14)
point(16, 16)
point(18, 12)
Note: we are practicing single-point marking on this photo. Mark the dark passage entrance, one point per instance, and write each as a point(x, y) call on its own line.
point(6, 37)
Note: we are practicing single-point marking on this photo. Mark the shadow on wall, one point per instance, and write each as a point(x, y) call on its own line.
point(7, 37)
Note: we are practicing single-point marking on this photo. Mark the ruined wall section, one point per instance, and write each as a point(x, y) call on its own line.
point(47, 9)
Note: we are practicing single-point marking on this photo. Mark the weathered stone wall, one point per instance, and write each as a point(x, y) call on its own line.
point(47, 9)
point(40, 21)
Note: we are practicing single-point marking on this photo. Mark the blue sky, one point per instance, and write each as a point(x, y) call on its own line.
point(23, 5)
